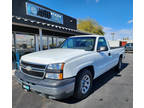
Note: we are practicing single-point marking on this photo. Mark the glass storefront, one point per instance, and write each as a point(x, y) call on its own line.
point(24, 44)
point(21, 45)
point(60, 41)
point(45, 42)
point(52, 41)
point(55, 42)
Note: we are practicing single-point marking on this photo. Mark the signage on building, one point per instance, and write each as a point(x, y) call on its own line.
point(46, 14)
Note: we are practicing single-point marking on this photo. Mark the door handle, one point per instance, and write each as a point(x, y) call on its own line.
point(109, 54)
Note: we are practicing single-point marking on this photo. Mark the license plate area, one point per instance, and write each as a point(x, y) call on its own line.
point(26, 87)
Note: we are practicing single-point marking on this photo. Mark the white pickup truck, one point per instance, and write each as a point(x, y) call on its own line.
point(70, 69)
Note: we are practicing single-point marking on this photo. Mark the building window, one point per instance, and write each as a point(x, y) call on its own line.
point(25, 44)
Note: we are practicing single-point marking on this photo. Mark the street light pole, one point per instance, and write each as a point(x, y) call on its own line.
point(113, 35)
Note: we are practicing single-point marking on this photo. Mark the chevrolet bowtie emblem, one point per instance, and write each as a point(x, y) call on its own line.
point(28, 68)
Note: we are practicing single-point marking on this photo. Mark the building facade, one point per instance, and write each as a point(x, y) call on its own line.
point(36, 27)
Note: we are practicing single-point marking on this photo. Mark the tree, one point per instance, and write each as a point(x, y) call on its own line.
point(91, 26)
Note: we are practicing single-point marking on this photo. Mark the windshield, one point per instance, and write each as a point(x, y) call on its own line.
point(129, 44)
point(86, 43)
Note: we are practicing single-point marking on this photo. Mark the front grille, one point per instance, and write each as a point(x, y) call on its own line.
point(37, 70)
point(33, 65)
point(33, 73)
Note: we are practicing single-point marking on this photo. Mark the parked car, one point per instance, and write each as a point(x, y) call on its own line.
point(68, 70)
point(129, 47)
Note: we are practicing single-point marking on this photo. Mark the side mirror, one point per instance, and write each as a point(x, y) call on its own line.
point(102, 48)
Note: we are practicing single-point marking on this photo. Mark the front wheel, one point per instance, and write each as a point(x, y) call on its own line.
point(83, 84)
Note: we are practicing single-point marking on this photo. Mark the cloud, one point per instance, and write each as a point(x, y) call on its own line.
point(107, 29)
point(130, 21)
point(97, 1)
point(88, 1)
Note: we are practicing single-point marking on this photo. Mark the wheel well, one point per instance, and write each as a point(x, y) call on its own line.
point(89, 68)
point(121, 56)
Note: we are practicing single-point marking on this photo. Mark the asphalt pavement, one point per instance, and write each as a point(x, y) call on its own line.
point(111, 90)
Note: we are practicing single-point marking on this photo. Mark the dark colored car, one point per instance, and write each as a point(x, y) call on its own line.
point(129, 47)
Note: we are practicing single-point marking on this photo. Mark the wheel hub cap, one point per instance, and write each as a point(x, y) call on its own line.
point(85, 84)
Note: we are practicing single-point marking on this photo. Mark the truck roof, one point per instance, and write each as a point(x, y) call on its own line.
point(88, 36)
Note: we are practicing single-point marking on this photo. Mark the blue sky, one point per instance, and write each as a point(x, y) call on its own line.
point(114, 15)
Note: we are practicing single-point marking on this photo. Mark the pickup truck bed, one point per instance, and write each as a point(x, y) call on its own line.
point(115, 47)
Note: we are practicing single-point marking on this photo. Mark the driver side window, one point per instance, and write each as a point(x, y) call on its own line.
point(102, 43)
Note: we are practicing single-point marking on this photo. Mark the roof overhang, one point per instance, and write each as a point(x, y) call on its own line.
point(24, 25)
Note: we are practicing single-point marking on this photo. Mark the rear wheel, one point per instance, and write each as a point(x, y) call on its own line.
point(119, 65)
point(83, 84)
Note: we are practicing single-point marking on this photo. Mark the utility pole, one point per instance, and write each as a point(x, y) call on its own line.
point(113, 35)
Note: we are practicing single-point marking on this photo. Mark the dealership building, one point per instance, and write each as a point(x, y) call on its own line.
point(36, 27)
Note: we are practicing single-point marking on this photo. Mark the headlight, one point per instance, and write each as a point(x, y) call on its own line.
point(54, 75)
point(54, 71)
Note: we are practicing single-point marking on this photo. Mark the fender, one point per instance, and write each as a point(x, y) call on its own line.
point(72, 67)
point(82, 66)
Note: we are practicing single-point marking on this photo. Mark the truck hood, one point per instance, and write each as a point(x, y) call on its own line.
point(58, 55)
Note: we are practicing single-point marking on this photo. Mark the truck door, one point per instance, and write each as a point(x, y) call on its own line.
point(104, 56)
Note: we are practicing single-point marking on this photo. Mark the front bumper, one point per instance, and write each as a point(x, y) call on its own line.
point(56, 89)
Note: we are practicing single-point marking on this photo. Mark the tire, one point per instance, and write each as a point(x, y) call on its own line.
point(83, 84)
point(119, 65)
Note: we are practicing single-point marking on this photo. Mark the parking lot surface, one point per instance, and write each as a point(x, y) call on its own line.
point(111, 90)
